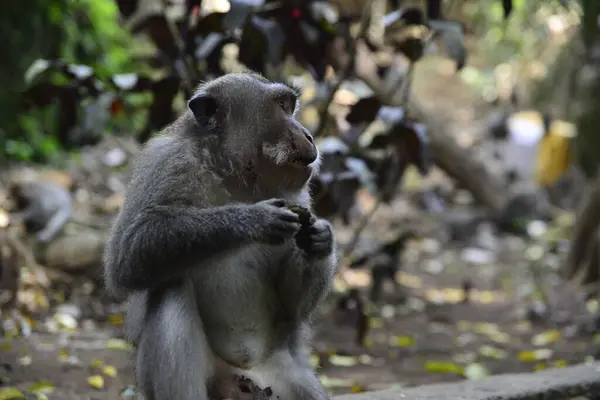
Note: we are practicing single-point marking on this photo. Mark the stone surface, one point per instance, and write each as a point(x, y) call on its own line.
point(557, 384)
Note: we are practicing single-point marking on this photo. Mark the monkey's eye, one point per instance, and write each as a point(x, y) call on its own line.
point(287, 104)
point(284, 105)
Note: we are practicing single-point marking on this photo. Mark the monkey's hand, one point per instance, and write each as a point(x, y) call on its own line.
point(275, 223)
point(316, 239)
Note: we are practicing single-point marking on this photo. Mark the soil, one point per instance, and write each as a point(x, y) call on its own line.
point(432, 332)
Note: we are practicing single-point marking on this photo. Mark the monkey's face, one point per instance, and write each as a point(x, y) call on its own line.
point(286, 144)
point(258, 126)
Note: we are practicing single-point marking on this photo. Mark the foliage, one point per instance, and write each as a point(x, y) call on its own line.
point(36, 37)
point(515, 51)
point(93, 35)
point(189, 48)
point(69, 30)
point(82, 101)
point(189, 41)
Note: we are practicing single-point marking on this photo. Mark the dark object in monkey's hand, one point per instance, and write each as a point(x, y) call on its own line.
point(306, 220)
point(237, 387)
point(246, 385)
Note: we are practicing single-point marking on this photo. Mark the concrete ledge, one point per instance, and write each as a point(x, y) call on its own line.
point(556, 384)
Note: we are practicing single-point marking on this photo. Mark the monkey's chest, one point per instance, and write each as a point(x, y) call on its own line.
point(245, 279)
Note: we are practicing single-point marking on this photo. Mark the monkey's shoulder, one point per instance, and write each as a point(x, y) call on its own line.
point(169, 168)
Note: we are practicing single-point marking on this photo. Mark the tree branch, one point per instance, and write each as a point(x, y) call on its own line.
point(348, 69)
point(449, 156)
point(404, 91)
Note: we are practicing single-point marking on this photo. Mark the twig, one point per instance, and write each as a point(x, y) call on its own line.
point(365, 19)
point(22, 250)
point(386, 191)
point(43, 274)
point(365, 220)
point(182, 65)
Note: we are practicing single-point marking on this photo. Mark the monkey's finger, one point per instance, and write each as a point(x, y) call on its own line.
point(290, 229)
point(276, 202)
point(320, 247)
point(318, 235)
point(289, 216)
point(321, 239)
point(274, 239)
point(284, 228)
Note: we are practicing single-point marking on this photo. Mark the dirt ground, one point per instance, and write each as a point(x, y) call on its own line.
point(412, 340)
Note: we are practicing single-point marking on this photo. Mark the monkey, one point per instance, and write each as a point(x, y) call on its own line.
point(43, 206)
point(204, 246)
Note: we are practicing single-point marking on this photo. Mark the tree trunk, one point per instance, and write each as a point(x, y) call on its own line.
point(583, 258)
point(584, 232)
point(459, 163)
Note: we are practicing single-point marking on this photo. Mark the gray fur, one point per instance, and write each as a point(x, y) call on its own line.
point(45, 207)
point(205, 251)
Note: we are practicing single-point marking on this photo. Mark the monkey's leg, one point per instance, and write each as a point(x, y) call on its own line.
point(54, 225)
point(174, 360)
point(137, 307)
point(304, 283)
point(289, 376)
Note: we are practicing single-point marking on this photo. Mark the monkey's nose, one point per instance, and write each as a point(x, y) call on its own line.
point(309, 137)
point(305, 150)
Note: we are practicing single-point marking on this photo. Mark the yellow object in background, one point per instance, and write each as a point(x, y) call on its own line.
point(555, 152)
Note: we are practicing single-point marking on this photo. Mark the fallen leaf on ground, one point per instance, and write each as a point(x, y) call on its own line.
point(535, 355)
point(545, 338)
point(10, 393)
point(475, 371)
point(119, 344)
point(41, 387)
point(96, 381)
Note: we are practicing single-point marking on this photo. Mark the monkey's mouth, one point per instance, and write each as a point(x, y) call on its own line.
point(300, 164)
point(301, 167)
point(304, 161)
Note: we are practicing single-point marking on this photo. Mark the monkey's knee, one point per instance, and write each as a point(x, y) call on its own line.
point(174, 360)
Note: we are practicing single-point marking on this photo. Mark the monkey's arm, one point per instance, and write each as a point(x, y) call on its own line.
point(307, 275)
point(55, 224)
point(164, 241)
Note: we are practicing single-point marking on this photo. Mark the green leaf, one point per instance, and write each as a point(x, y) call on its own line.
point(443, 367)
point(20, 150)
point(10, 393)
point(41, 387)
point(118, 344)
point(545, 338)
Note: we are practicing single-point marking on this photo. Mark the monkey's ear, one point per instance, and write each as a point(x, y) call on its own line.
point(204, 107)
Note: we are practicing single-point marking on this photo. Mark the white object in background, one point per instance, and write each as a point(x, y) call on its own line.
point(524, 135)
